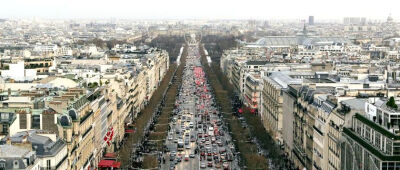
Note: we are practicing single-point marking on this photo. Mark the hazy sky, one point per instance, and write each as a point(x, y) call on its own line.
point(199, 9)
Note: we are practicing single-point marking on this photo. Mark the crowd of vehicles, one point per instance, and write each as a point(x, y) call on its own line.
point(197, 137)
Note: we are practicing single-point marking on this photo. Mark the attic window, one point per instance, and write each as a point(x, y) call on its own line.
point(16, 164)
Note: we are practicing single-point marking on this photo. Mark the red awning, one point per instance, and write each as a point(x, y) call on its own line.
point(129, 131)
point(110, 155)
point(109, 164)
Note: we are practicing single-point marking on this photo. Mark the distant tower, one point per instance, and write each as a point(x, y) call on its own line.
point(389, 19)
point(305, 31)
point(311, 20)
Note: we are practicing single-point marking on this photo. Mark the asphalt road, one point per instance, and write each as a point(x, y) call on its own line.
point(195, 114)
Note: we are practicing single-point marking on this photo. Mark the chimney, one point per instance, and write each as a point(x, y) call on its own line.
point(25, 138)
point(312, 86)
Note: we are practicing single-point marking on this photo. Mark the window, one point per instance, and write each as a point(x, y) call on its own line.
point(16, 164)
point(5, 128)
point(4, 116)
point(367, 133)
point(48, 163)
point(377, 140)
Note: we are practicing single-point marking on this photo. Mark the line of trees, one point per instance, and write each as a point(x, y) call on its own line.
point(172, 44)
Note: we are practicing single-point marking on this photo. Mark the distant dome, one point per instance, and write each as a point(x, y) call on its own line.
point(389, 18)
point(65, 120)
point(72, 113)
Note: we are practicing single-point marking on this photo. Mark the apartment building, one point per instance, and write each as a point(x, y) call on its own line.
point(271, 112)
point(50, 151)
point(13, 157)
point(252, 91)
point(372, 140)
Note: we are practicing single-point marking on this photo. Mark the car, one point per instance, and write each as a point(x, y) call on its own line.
point(222, 150)
point(216, 160)
point(173, 153)
point(186, 134)
point(210, 164)
point(170, 138)
point(172, 167)
point(217, 165)
point(187, 147)
point(203, 165)
point(219, 143)
point(225, 165)
point(213, 139)
point(209, 158)
point(186, 157)
point(192, 140)
point(192, 155)
point(171, 158)
point(229, 157)
point(223, 157)
point(179, 159)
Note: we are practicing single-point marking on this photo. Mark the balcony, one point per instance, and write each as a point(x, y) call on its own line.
point(376, 127)
point(368, 147)
point(86, 116)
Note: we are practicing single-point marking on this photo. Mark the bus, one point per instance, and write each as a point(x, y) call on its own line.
point(180, 145)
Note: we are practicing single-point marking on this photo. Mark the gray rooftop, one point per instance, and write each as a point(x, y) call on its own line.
point(10, 151)
point(357, 104)
point(43, 145)
point(283, 79)
point(298, 40)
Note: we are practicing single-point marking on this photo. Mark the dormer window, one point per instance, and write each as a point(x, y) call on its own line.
point(15, 164)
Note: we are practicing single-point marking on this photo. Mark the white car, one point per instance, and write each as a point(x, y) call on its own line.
point(170, 138)
point(203, 165)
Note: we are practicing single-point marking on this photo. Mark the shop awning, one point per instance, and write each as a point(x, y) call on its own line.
point(109, 164)
point(129, 131)
point(110, 155)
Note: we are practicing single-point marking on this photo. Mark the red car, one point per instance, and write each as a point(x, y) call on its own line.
point(210, 164)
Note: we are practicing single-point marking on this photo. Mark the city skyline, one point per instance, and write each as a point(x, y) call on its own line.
point(176, 9)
